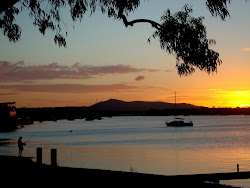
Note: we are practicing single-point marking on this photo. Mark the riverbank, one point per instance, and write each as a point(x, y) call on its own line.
point(22, 170)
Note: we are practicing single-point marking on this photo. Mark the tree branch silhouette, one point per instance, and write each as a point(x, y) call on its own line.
point(131, 23)
point(7, 4)
point(180, 34)
point(184, 36)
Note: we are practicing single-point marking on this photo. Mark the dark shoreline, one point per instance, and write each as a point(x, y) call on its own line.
point(115, 107)
point(26, 171)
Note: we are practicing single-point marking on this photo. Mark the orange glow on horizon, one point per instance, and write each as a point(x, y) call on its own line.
point(233, 99)
point(203, 97)
point(238, 98)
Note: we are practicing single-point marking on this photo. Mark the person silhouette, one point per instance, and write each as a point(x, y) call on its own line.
point(20, 145)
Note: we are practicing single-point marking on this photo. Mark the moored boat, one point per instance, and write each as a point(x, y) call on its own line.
point(179, 122)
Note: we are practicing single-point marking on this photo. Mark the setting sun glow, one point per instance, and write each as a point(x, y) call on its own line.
point(237, 99)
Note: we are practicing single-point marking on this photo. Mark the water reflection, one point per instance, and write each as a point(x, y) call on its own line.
point(7, 142)
point(145, 144)
point(150, 159)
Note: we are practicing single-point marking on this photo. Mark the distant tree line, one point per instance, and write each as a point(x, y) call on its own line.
point(71, 113)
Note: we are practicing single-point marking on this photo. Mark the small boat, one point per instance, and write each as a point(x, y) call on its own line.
point(179, 122)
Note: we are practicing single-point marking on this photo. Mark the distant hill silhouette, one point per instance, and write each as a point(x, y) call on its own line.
point(115, 107)
point(119, 105)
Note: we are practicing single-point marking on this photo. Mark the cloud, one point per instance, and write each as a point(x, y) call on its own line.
point(169, 70)
point(20, 72)
point(73, 88)
point(9, 93)
point(140, 78)
point(76, 65)
point(245, 49)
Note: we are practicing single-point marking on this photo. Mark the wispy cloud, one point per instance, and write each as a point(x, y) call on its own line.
point(9, 93)
point(245, 49)
point(140, 78)
point(73, 88)
point(20, 72)
point(169, 70)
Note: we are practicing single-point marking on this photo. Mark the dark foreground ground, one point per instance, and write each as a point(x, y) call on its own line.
point(22, 171)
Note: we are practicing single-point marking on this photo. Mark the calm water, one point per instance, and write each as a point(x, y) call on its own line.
point(143, 144)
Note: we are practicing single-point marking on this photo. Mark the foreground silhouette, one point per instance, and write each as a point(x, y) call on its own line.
point(16, 170)
point(20, 145)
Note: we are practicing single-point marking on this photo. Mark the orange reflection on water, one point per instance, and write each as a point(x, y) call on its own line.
point(153, 160)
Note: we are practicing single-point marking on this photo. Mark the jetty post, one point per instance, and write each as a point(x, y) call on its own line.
point(238, 168)
point(53, 157)
point(39, 157)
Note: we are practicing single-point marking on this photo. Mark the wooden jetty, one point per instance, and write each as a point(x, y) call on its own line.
point(40, 172)
point(213, 177)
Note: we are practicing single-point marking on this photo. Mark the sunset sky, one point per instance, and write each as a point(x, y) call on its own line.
point(104, 60)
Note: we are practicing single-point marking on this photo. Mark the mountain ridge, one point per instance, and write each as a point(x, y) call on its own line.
point(119, 105)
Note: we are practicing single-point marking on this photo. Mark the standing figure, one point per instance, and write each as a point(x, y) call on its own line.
point(20, 145)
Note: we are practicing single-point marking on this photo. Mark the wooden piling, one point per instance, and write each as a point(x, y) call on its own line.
point(238, 168)
point(53, 157)
point(39, 157)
